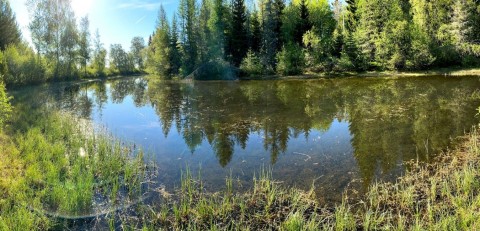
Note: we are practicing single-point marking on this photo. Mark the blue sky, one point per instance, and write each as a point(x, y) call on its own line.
point(118, 21)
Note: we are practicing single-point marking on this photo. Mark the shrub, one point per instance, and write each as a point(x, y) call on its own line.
point(251, 65)
point(214, 70)
point(290, 60)
point(22, 66)
point(5, 107)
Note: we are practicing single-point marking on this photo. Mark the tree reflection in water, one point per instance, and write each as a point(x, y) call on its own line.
point(390, 120)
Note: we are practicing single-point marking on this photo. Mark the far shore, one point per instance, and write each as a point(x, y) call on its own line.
point(431, 72)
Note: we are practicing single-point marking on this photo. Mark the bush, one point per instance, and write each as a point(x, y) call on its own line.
point(3, 66)
point(290, 60)
point(251, 65)
point(344, 63)
point(214, 70)
point(5, 108)
point(21, 66)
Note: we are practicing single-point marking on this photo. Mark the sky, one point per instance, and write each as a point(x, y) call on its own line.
point(117, 21)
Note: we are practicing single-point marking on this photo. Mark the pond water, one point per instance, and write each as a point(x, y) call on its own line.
point(339, 133)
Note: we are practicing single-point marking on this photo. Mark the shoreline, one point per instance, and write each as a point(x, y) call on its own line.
point(448, 72)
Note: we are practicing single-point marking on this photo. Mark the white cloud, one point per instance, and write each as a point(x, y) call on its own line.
point(140, 20)
point(144, 5)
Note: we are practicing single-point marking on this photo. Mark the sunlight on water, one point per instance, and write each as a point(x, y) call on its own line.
point(341, 134)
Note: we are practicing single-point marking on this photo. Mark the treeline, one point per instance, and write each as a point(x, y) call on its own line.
point(208, 37)
point(63, 47)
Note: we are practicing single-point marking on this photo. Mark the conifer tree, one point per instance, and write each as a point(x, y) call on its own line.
point(304, 23)
point(256, 32)
point(239, 37)
point(174, 55)
point(270, 40)
point(188, 35)
point(351, 15)
point(9, 32)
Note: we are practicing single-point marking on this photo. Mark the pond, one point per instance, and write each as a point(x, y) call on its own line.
point(339, 134)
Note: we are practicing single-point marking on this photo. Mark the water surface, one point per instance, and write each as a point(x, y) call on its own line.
point(339, 133)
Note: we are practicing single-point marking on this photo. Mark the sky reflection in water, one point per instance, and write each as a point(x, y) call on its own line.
point(341, 133)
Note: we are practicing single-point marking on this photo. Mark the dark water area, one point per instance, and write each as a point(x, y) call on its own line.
point(339, 133)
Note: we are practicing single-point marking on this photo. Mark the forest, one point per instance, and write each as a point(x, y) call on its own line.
point(273, 37)
point(63, 47)
point(219, 39)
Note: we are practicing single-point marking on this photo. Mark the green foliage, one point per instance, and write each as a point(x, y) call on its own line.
point(238, 37)
point(137, 50)
point(9, 31)
point(360, 35)
point(214, 70)
point(256, 33)
point(159, 53)
point(3, 66)
point(121, 61)
point(314, 52)
point(84, 42)
point(290, 60)
point(420, 55)
point(99, 57)
point(188, 12)
point(58, 43)
point(22, 66)
point(217, 24)
point(351, 17)
point(270, 40)
point(62, 47)
point(251, 64)
point(66, 170)
point(5, 107)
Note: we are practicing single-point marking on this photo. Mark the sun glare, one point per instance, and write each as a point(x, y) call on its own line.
point(82, 7)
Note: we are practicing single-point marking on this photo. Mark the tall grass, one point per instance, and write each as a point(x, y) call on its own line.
point(440, 196)
point(59, 164)
point(64, 168)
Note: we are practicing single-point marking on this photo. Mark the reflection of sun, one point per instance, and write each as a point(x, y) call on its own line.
point(81, 7)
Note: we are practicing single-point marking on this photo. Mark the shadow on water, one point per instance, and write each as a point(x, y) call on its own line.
point(333, 132)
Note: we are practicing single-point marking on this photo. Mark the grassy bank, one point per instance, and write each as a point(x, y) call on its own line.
point(430, 72)
point(57, 167)
point(440, 196)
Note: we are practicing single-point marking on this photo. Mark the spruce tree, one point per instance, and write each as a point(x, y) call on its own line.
point(278, 7)
point(9, 32)
point(205, 33)
point(256, 39)
point(304, 23)
point(270, 41)
point(159, 52)
point(174, 55)
point(217, 27)
point(238, 38)
point(188, 35)
point(351, 15)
